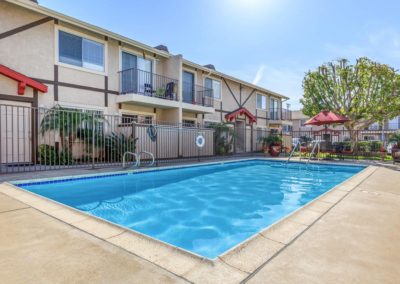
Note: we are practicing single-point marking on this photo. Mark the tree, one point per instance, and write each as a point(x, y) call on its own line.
point(72, 124)
point(366, 92)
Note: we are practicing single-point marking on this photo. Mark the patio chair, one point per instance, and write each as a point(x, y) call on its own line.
point(342, 151)
point(396, 155)
point(148, 90)
point(169, 91)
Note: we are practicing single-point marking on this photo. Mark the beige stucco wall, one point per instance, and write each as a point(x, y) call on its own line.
point(32, 52)
point(28, 51)
point(10, 87)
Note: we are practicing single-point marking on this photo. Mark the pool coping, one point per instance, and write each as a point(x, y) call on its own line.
point(234, 265)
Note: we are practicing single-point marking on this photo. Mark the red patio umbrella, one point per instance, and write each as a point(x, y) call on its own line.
point(326, 117)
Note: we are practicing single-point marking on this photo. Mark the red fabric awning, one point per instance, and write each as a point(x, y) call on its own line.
point(326, 117)
point(241, 111)
point(22, 80)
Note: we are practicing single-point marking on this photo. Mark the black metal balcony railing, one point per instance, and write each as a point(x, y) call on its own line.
point(280, 114)
point(197, 95)
point(148, 84)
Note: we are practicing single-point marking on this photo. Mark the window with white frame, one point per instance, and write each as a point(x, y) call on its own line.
point(79, 51)
point(137, 118)
point(215, 85)
point(188, 123)
point(261, 102)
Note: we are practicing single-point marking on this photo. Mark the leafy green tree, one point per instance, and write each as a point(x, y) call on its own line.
point(71, 124)
point(366, 92)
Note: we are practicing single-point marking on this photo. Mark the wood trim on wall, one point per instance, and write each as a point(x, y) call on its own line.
point(248, 97)
point(25, 27)
point(230, 90)
point(18, 98)
point(76, 86)
point(55, 82)
point(106, 91)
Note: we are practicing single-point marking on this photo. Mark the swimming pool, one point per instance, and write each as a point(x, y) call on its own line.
point(204, 209)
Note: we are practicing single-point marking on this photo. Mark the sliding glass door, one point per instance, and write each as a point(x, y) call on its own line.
point(136, 74)
point(188, 87)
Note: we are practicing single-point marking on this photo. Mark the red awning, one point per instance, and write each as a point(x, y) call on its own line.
point(22, 80)
point(241, 111)
point(326, 117)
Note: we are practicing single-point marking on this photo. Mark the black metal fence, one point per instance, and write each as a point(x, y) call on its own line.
point(198, 95)
point(148, 84)
point(35, 139)
point(279, 114)
point(341, 143)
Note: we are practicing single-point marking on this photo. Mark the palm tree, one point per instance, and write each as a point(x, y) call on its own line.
point(71, 124)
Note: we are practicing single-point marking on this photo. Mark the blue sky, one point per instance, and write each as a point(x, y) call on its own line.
point(268, 42)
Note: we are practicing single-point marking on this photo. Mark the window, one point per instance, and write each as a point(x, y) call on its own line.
point(188, 123)
point(287, 128)
point(261, 133)
point(261, 102)
point(215, 86)
point(126, 118)
point(275, 112)
point(130, 118)
point(137, 74)
point(81, 52)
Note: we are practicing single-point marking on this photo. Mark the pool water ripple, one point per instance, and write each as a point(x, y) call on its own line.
point(206, 210)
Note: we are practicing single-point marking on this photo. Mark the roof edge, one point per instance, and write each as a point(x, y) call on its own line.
point(76, 22)
point(240, 81)
point(73, 21)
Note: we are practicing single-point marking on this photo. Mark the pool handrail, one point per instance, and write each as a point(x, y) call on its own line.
point(298, 144)
point(148, 153)
point(317, 144)
point(137, 159)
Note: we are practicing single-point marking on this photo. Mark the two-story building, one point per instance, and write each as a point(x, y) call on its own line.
point(49, 59)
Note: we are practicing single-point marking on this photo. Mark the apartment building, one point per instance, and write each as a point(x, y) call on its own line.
point(49, 59)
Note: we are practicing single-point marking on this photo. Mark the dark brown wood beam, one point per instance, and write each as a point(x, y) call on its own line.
point(230, 90)
point(248, 97)
point(25, 27)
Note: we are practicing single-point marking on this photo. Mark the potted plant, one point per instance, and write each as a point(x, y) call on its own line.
point(395, 139)
point(272, 144)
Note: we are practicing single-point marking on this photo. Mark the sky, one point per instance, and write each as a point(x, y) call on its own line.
point(271, 43)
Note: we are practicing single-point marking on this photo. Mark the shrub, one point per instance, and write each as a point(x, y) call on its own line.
point(116, 144)
point(376, 146)
point(364, 146)
point(48, 155)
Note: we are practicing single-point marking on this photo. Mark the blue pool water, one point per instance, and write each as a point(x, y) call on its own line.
point(204, 209)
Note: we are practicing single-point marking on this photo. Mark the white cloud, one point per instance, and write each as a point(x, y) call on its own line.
point(286, 79)
point(259, 75)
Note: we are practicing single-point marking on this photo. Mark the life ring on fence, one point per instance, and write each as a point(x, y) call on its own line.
point(200, 141)
point(152, 132)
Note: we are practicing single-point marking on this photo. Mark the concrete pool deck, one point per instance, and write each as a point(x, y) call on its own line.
point(349, 235)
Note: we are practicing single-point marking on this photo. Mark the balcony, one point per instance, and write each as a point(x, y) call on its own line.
point(279, 114)
point(147, 88)
point(197, 98)
point(197, 95)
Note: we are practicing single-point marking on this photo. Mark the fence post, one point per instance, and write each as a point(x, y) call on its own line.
point(93, 138)
point(198, 148)
point(157, 149)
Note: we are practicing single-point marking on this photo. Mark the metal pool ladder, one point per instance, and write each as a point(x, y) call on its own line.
point(317, 145)
point(293, 150)
point(137, 158)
